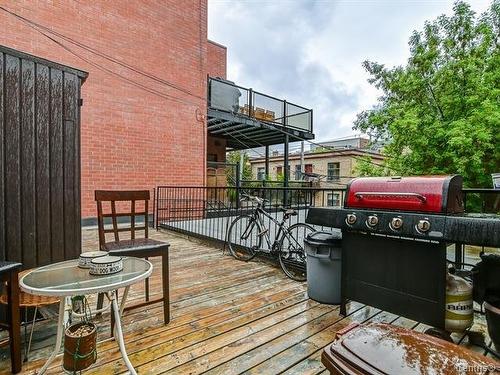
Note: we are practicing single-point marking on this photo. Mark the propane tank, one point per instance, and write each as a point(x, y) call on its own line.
point(459, 305)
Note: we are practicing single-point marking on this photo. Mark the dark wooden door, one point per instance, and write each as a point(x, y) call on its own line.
point(39, 159)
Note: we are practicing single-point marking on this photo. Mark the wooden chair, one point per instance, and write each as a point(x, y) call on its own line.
point(9, 273)
point(27, 301)
point(143, 247)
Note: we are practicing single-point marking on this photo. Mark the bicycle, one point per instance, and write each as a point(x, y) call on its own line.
point(245, 234)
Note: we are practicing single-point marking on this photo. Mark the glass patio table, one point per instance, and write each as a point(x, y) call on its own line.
point(66, 279)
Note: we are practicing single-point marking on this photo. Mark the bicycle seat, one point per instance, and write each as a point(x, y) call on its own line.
point(289, 211)
point(253, 198)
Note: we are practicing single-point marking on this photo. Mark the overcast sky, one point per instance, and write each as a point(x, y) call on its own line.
point(310, 52)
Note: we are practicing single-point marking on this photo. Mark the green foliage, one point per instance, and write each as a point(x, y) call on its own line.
point(365, 167)
point(320, 149)
point(233, 157)
point(440, 113)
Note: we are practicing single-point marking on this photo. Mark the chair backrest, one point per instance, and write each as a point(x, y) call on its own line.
point(114, 196)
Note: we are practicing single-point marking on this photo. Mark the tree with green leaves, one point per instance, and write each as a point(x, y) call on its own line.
point(440, 114)
point(233, 157)
point(365, 167)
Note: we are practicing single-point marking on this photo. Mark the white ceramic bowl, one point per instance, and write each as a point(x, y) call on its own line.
point(106, 265)
point(85, 258)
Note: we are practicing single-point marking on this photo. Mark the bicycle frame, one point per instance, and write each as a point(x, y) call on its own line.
point(257, 214)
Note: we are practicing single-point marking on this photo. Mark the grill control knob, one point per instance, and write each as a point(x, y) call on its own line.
point(351, 219)
point(372, 220)
point(423, 226)
point(396, 223)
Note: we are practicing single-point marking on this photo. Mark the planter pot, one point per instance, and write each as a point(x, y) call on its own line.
point(80, 341)
point(493, 320)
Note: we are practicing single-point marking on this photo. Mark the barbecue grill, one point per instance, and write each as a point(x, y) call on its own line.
point(395, 233)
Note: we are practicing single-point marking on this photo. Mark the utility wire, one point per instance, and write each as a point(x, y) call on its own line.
point(36, 26)
point(336, 149)
point(101, 54)
point(303, 174)
point(311, 142)
point(98, 66)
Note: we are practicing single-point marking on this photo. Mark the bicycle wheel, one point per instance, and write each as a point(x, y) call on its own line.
point(243, 238)
point(292, 255)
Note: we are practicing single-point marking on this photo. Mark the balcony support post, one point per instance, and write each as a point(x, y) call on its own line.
point(238, 186)
point(286, 172)
point(286, 167)
point(267, 163)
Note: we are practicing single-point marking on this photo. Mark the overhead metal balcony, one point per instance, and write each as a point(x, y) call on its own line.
point(248, 119)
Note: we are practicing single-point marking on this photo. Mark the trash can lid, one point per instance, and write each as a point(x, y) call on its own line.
point(382, 348)
point(333, 238)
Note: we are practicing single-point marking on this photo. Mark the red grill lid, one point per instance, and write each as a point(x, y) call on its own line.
point(433, 194)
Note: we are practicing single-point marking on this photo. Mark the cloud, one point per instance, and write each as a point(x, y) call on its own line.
point(310, 52)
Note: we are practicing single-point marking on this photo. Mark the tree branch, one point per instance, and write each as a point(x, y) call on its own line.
point(435, 100)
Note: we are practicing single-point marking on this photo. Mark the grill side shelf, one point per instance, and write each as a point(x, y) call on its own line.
point(480, 231)
point(327, 217)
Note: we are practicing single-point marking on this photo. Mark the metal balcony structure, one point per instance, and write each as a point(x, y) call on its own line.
point(248, 119)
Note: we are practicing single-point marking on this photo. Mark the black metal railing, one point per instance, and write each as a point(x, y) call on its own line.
point(226, 96)
point(275, 183)
point(476, 201)
point(207, 212)
point(481, 200)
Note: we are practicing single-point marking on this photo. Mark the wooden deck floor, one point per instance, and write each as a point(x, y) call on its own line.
point(228, 317)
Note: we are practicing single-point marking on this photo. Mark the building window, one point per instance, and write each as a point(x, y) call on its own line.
point(261, 173)
point(333, 199)
point(308, 168)
point(279, 171)
point(298, 172)
point(333, 171)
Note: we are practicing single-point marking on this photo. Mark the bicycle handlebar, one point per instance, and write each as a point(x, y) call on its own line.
point(253, 198)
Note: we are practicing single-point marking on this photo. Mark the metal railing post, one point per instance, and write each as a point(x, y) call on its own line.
point(155, 211)
point(238, 186)
point(267, 163)
point(311, 122)
point(250, 103)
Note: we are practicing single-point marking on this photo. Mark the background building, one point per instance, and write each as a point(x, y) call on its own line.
point(328, 168)
point(357, 142)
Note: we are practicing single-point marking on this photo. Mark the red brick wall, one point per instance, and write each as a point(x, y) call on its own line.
point(131, 138)
point(216, 67)
point(217, 146)
point(216, 60)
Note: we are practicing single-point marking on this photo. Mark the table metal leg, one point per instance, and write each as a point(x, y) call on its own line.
point(124, 299)
point(60, 329)
point(119, 334)
point(122, 307)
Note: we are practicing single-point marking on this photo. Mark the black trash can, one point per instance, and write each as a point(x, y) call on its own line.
point(324, 255)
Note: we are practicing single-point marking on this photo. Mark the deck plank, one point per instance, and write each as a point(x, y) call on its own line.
point(239, 339)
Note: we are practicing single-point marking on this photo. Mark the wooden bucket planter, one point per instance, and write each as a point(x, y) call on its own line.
point(80, 346)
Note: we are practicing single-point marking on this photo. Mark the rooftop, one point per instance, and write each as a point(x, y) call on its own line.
point(233, 317)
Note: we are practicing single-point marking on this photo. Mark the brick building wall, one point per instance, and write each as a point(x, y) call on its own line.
point(216, 62)
point(137, 130)
point(217, 59)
